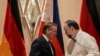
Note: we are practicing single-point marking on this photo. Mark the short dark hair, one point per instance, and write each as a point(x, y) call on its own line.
point(47, 26)
point(72, 23)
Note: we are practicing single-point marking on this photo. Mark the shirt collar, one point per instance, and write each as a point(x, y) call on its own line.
point(78, 33)
point(45, 37)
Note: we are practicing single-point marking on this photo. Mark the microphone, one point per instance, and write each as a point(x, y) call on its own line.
point(72, 38)
point(81, 44)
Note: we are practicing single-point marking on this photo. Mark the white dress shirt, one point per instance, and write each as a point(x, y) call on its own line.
point(85, 46)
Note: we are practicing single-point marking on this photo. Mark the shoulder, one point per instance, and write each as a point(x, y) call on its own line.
point(39, 40)
point(87, 37)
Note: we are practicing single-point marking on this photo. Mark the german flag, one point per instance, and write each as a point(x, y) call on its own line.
point(90, 20)
point(12, 38)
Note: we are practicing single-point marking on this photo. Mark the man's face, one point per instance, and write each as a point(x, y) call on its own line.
point(67, 30)
point(52, 32)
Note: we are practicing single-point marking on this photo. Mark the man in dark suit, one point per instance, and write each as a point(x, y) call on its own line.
point(42, 46)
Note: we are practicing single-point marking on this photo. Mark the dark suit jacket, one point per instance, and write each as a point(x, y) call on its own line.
point(40, 47)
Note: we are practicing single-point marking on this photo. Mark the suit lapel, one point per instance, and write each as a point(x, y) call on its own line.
point(53, 49)
point(47, 45)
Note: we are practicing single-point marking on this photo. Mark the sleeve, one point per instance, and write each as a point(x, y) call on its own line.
point(35, 49)
point(93, 49)
point(66, 53)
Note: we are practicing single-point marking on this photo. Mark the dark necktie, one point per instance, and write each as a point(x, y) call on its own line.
point(51, 48)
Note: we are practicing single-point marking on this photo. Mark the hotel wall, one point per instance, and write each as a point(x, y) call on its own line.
point(69, 9)
point(3, 4)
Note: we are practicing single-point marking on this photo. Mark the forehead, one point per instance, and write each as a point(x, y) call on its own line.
point(53, 27)
point(66, 27)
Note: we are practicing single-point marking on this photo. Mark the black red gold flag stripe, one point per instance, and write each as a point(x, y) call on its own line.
point(89, 19)
point(13, 29)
